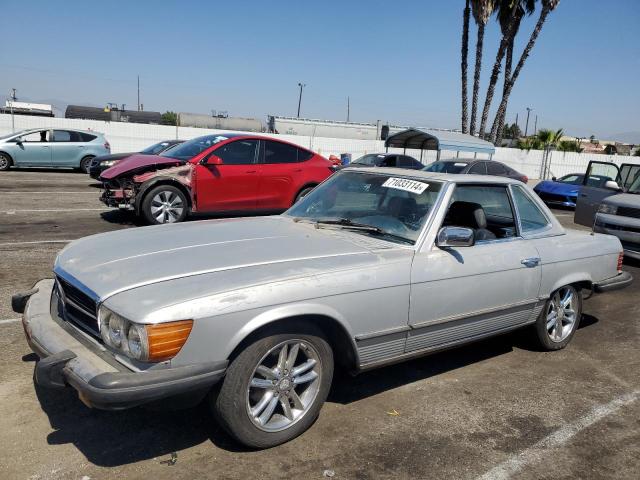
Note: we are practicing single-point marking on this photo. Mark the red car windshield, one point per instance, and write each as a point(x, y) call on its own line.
point(187, 150)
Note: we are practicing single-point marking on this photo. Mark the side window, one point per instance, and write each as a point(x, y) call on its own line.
point(479, 168)
point(238, 153)
point(389, 161)
point(62, 136)
point(484, 208)
point(276, 152)
point(86, 137)
point(531, 217)
point(598, 173)
point(495, 168)
point(304, 155)
point(35, 137)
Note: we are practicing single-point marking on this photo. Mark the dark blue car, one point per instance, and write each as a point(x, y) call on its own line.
point(561, 191)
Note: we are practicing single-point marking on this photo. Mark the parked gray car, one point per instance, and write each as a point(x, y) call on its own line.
point(609, 201)
point(374, 266)
point(51, 148)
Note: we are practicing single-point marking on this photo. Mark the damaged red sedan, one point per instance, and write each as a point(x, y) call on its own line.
point(227, 173)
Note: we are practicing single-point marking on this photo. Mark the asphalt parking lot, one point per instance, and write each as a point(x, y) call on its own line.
point(494, 409)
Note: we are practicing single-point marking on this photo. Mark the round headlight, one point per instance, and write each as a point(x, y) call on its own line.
point(109, 163)
point(116, 331)
point(137, 342)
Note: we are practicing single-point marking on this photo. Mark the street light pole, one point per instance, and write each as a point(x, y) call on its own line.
point(301, 85)
point(13, 99)
point(535, 125)
point(526, 126)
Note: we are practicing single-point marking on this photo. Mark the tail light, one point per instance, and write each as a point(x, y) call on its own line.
point(620, 259)
point(525, 179)
point(107, 146)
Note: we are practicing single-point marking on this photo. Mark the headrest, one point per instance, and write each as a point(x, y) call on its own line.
point(467, 213)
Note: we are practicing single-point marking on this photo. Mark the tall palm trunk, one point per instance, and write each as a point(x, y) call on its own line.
point(508, 60)
point(476, 79)
point(507, 39)
point(463, 66)
point(547, 6)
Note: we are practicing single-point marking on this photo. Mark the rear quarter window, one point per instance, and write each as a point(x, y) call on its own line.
point(531, 217)
point(87, 137)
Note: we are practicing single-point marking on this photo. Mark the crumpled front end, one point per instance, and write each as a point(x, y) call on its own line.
point(123, 192)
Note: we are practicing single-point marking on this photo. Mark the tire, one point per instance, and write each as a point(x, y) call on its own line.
point(85, 163)
point(303, 193)
point(164, 204)
point(5, 162)
point(236, 397)
point(548, 334)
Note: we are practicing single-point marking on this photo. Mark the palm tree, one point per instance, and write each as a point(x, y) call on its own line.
point(463, 66)
point(510, 13)
point(549, 139)
point(510, 20)
point(482, 10)
point(547, 7)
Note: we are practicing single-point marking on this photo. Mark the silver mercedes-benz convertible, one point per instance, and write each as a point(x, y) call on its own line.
point(370, 268)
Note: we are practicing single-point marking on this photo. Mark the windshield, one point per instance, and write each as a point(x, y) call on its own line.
point(394, 206)
point(156, 148)
point(445, 167)
point(187, 150)
point(371, 160)
point(573, 179)
point(4, 137)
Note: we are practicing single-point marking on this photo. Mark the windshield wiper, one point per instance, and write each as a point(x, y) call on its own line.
point(362, 227)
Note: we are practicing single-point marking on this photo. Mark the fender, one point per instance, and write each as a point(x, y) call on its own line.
point(575, 277)
point(289, 311)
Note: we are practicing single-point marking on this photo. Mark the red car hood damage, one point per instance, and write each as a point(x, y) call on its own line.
point(138, 163)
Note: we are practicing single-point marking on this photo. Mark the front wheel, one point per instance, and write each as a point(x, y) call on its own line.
point(274, 389)
point(5, 161)
point(85, 164)
point(559, 319)
point(164, 204)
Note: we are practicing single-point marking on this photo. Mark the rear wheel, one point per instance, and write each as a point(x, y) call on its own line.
point(5, 161)
point(164, 204)
point(85, 163)
point(303, 193)
point(274, 389)
point(559, 319)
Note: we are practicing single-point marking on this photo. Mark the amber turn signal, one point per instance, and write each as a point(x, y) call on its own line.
point(166, 339)
point(620, 260)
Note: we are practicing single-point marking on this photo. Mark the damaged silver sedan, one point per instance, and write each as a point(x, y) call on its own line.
point(368, 269)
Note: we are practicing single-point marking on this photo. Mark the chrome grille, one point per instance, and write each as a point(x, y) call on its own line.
point(79, 308)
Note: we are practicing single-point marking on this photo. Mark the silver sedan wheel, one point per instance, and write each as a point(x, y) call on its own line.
point(283, 385)
point(4, 162)
point(166, 207)
point(562, 314)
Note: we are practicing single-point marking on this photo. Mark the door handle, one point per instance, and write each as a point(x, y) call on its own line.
point(583, 194)
point(250, 171)
point(531, 262)
point(297, 170)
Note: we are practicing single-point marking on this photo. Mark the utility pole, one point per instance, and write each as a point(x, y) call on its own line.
point(348, 109)
point(535, 125)
point(138, 92)
point(301, 85)
point(526, 126)
point(13, 99)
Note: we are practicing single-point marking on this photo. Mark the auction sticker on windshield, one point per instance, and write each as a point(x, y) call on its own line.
point(412, 186)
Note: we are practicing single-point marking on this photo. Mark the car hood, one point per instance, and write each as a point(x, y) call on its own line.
point(556, 187)
point(136, 163)
point(631, 200)
point(114, 262)
point(113, 156)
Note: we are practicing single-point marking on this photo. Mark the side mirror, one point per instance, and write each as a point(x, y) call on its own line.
point(553, 179)
point(455, 237)
point(19, 141)
point(214, 160)
point(611, 185)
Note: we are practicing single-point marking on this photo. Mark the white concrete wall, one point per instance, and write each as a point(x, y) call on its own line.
point(127, 137)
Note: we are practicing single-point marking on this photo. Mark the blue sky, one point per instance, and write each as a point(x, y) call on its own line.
point(398, 61)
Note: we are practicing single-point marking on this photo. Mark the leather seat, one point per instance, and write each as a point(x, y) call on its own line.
point(470, 215)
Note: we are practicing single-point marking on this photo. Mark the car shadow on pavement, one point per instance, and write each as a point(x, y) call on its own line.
point(111, 439)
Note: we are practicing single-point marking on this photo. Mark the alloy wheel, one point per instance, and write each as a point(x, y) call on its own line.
point(283, 385)
point(166, 207)
point(561, 314)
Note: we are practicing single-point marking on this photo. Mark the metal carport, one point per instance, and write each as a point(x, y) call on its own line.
point(438, 140)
